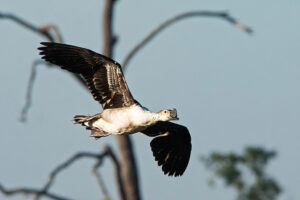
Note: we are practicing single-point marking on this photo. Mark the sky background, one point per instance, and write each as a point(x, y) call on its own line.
point(230, 89)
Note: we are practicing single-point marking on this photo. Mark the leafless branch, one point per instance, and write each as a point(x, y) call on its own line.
point(30, 191)
point(52, 34)
point(119, 177)
point(100, 181)
point(48, 28)
point(222, 15)
point(66, 164)
point(43, 30)
point(117, 173)
point(28, 99)
point(107, 152)
point(29, 89)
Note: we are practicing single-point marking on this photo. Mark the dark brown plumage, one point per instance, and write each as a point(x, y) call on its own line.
point(171, 146)
point(103, 76)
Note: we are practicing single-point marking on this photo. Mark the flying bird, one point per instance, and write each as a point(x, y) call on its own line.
point(122, 114)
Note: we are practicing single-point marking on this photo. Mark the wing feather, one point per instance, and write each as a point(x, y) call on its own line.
point(103, 76)
point(172, 148)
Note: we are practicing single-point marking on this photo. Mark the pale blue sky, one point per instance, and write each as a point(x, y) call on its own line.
point(230, 90)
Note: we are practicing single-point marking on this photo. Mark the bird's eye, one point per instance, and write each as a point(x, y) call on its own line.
point(165, 111)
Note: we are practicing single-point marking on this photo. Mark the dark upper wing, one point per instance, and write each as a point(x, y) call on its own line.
point(172, 148)
point(103, 76)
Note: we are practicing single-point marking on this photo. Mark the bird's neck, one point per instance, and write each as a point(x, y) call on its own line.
point(156, 117)
point(150, 117)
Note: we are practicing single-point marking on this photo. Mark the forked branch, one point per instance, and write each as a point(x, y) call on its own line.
point(51, 33)
point(44, 30)
point(44, 191)
point(66, 164)
point(107, 152)
point(117, 173)
point(31, 192)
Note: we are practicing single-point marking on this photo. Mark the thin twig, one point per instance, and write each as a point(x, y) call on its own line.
point(45, 31)
point(222, 15)
point(67, 163)
point(29, 89)
point(118, 172)
point(28, 98)
point(30, 191)
point(107, 152)
point(48, 28)
point(100, 181)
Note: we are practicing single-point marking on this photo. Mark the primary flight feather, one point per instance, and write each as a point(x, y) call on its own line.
point(122, 114)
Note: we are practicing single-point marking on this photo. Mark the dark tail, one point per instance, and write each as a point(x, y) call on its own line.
point(80, 119)
point(86, 121)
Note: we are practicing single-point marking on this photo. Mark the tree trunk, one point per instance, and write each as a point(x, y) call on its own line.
point(128, 164)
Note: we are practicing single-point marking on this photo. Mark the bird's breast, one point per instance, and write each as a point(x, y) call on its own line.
point(125, 120)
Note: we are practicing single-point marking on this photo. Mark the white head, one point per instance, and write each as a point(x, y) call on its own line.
point(166, 115)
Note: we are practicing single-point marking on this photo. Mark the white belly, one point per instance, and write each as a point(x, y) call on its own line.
point(125, 120)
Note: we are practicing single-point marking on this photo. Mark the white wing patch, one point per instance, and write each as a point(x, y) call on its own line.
point(112, 76)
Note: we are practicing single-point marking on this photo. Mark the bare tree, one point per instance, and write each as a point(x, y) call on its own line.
point(126, 169)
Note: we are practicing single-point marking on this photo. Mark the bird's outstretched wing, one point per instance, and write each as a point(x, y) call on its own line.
point(172, 147)
point(103, 76)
